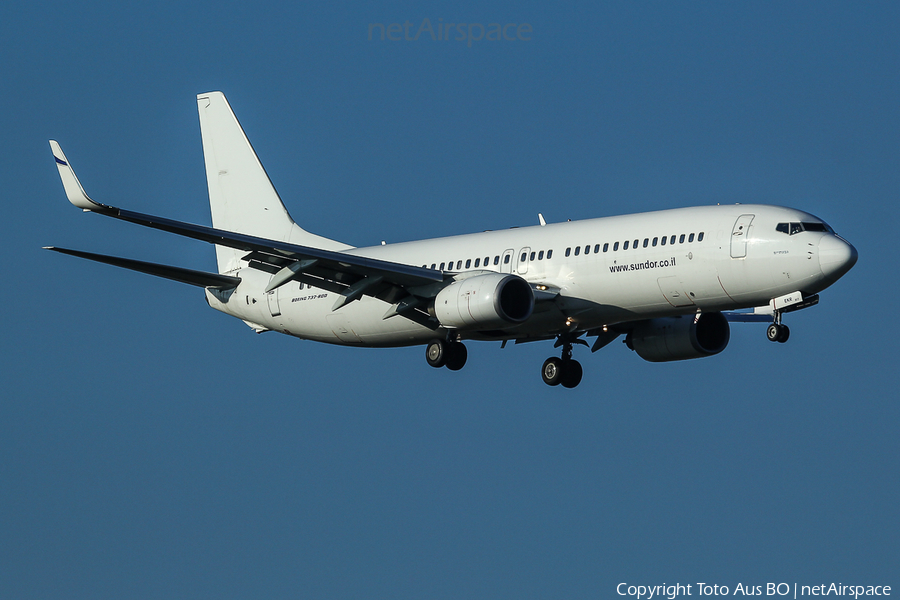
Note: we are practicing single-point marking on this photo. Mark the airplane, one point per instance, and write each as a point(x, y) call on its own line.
point(670, 281)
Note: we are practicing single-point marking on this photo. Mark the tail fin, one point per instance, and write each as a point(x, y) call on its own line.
point(241, 196)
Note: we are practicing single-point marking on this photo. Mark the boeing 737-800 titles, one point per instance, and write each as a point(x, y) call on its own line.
point(669, 281)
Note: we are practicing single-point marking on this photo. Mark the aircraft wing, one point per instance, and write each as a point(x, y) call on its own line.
point(344, 273)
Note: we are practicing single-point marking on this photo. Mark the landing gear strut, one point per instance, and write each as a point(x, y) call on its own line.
point(562, 370)
point(776, 332)
point(441, 353)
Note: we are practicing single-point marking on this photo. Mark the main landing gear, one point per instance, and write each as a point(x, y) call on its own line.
point(563, 370)
point(776, 332)
point(442, 353)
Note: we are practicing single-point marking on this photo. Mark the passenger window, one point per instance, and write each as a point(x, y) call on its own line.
point(496, 260)
point(691, 238)
point(681, 239)
point(783, 228)
point(672, 240)
point(587, 249)
point(506, 259)
point(606, 246)
point(700, 237)
point(477, 262)
point(596, 248)
point(654, 242)
point(577, 250)
point(524, 256)
point(442, 266)
point(549, 254)
point(663, 240)
point(458, 265)
point(541, 255)
point(568, 251)
point(615, 246)
point(468, 262)
point(531, 257)
point(646, 242)
point(634, 245)
point(625, 245)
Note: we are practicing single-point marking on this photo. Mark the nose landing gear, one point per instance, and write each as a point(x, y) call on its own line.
point(563, 370)
point(776, 332)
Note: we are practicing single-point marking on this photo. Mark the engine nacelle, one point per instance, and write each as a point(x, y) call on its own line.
point(490, 301)
point(680, 338)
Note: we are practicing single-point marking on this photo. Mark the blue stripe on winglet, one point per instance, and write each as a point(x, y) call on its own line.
point(60, 161)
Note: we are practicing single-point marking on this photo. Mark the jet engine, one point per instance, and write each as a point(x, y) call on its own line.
point(489, 301)
point(680, 338)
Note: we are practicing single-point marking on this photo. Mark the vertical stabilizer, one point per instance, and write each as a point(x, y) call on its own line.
point(241, 196)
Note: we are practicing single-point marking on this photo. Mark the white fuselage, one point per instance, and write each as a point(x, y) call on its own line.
point(741, 261)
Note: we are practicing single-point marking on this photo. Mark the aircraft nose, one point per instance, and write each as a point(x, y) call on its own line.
point(836, 256)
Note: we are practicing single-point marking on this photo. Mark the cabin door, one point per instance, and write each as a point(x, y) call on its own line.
point(739, 235)
point(523, 260)
point(506, 261)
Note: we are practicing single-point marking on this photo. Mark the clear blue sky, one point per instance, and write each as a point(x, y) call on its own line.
point(153, 448)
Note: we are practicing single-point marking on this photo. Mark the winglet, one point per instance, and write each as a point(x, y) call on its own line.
point(70, 182)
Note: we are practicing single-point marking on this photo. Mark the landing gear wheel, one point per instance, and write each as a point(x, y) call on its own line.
point(778, 333)
point(773, 332)
point(436, 353)
point(563, 370)
point(552, 371)
point(571, 374)
point(784, 334)
point(457, 355)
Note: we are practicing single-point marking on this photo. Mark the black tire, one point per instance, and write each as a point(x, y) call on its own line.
point(436, 353)
point(773, 332)
point(552, 371)
point(457, 355)
point(784, 334)
point(572, 373)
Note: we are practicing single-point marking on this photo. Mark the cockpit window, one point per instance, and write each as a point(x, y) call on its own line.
point(794, 228)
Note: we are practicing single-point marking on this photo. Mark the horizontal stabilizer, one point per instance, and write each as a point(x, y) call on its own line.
point(198, 278)
point(398, 273)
